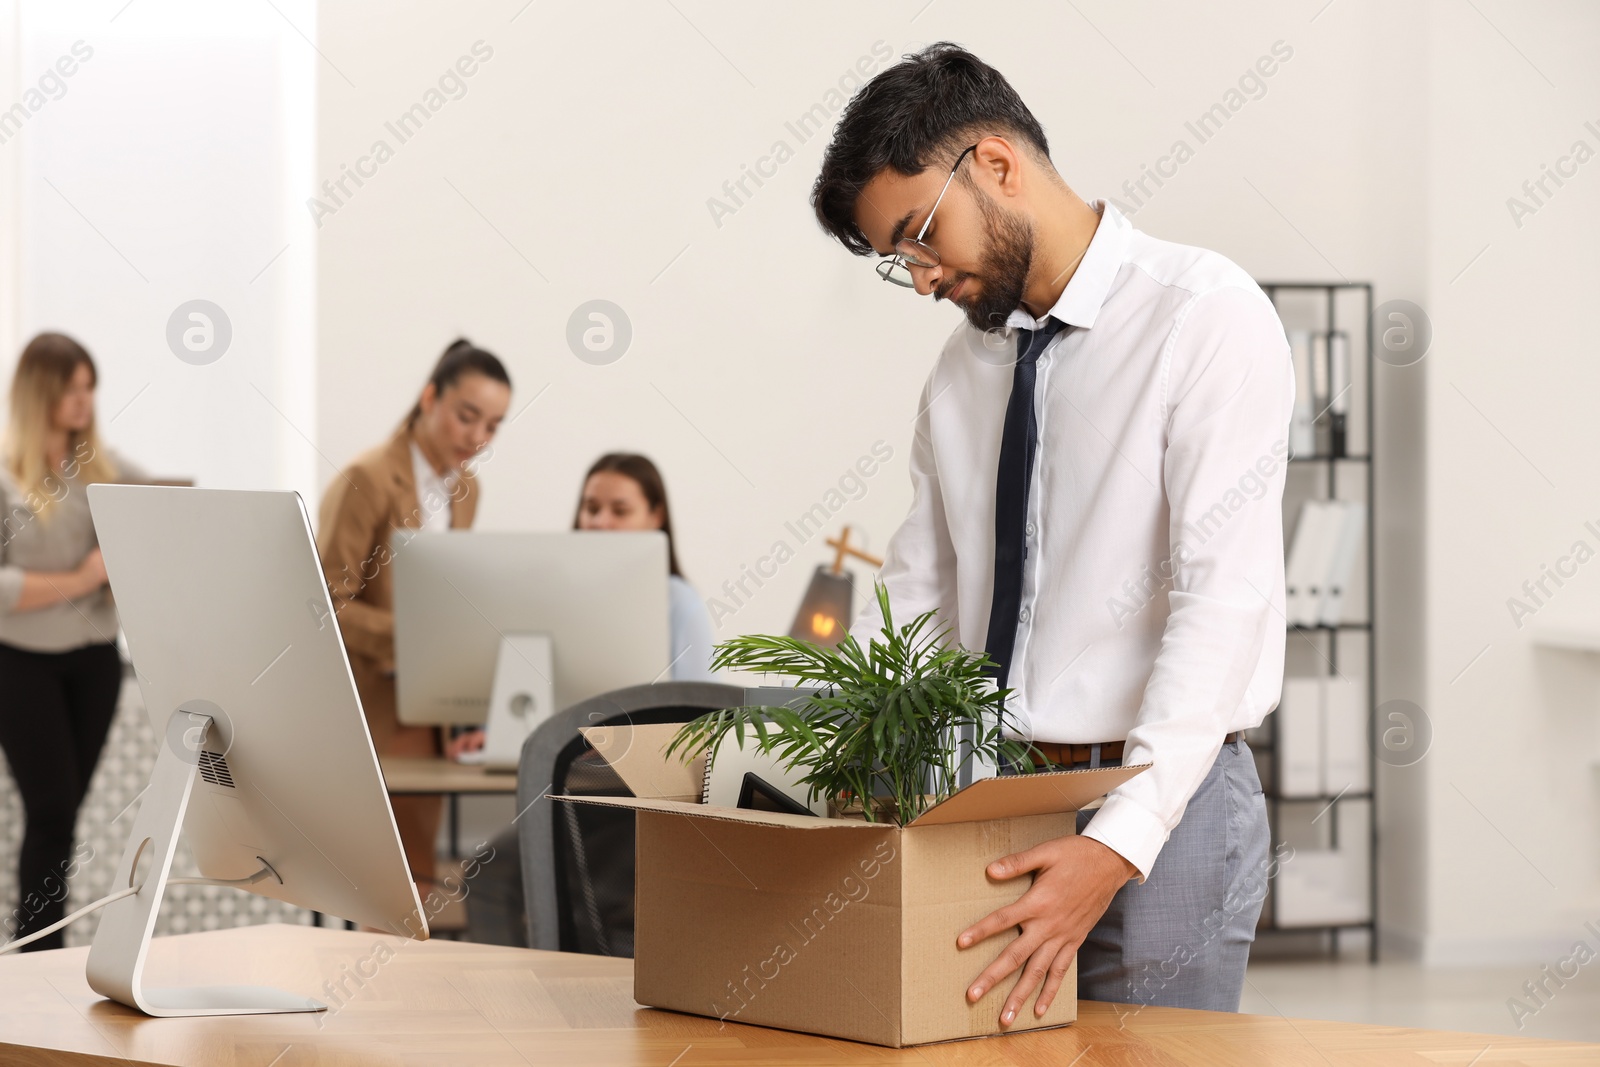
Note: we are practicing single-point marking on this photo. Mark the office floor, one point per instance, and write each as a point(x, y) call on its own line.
point(1395, 993)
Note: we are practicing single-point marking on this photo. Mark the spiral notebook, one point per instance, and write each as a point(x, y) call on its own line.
point(726, 772)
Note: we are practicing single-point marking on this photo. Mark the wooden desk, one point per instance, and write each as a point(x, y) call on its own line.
point(447, 1002)
point(435, 774)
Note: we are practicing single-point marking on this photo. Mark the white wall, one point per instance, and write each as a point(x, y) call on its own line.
point(10, 171)
point(167, 168)
point(1511, 433)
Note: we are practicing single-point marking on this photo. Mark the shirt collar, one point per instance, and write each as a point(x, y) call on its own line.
point(423, 471)
point(1086, 291)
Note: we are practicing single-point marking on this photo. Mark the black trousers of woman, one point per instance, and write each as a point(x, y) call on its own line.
point(55, 711)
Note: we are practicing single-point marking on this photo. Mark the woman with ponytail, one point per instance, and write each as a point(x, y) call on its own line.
point(420, 479)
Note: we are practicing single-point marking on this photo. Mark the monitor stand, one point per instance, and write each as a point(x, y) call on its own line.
point(116, 960)
point(521, 697)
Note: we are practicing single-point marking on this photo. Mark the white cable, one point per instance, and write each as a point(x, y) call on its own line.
point(12, 946)
point(236, 883)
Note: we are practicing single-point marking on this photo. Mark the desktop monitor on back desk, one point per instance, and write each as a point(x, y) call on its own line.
point(600, 596)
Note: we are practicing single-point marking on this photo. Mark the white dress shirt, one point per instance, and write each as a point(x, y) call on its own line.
point(433, 491)
point(1152, 596)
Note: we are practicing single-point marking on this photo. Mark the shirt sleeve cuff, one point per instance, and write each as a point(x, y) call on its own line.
point(1130, 831)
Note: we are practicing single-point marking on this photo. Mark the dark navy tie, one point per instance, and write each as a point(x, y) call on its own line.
point(1018, 440)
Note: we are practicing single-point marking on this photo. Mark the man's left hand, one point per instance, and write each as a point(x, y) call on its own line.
point(1077, 877)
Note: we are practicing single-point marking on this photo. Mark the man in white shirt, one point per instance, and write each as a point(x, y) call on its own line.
point(1098, 466)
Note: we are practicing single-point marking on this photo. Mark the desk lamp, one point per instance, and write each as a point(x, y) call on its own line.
point(825, 611)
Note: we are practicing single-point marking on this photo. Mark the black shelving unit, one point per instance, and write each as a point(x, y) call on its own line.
point(1327, 637)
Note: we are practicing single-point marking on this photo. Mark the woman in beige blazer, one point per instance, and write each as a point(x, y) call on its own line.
point(420, 479)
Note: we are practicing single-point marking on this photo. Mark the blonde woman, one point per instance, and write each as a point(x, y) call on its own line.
point(418, 479)
point(58, 628)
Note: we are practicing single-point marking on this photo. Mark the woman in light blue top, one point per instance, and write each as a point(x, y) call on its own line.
point(624, 491)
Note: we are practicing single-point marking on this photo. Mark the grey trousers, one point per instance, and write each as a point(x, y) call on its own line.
point(1181, 938)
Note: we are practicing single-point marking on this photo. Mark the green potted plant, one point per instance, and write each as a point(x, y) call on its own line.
point(895, 717)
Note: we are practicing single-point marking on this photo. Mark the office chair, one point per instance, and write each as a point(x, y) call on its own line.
point(577, 859)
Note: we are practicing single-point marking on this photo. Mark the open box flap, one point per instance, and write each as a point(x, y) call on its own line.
point(665, 783)
point(638, 755)
point(744, 816)
point(1027, 794)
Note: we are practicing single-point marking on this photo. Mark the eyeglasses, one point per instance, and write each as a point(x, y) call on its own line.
point(912, 251)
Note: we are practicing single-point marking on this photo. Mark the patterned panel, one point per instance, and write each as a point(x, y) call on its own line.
point(103, 827)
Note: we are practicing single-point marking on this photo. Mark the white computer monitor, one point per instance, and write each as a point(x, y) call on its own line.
point(601, 596)
point(266, 763)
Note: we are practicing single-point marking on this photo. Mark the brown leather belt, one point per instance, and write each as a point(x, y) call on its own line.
point(1062, 755)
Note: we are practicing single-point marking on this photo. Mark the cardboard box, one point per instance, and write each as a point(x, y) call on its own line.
point(837, 927)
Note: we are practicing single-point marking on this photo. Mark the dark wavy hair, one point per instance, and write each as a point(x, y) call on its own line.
point(920, 112)
point(460, 358)
point(643, 472)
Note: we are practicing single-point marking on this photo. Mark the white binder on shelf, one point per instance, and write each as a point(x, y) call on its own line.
point(1338, 373)
point(1318, 887)
point(1338, 394)
point(1320, 376)
point(1307, 569)
point(1302, 425)
point(1346, 736)
point(1346, 545)
point(1299, 737)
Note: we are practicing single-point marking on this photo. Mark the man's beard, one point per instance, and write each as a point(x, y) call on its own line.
point(1003, 267)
